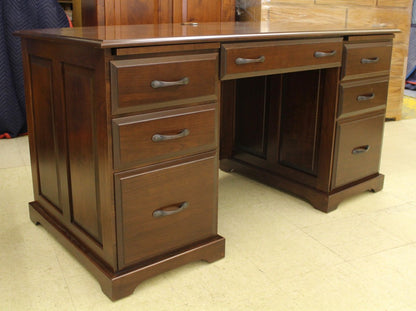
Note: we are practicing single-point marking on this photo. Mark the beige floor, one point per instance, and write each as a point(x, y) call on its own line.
point(281, 253)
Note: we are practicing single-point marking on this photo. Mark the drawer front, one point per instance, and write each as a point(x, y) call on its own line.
point(260, 58)
point(153, 83)
point(358, 150)
point(163, 135)
point(362, 96)
point(366, 60)
point(166, 208)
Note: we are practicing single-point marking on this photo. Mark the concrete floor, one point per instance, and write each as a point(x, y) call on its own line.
point(281, 254)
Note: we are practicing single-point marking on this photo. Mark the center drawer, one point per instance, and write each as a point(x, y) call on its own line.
point(165, 135)
point(239, 60)
point(162, 208)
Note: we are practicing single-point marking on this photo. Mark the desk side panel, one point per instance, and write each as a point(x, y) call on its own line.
point(70, 138)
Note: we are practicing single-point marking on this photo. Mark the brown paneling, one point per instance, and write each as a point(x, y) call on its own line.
point(44, 123)
point(202, 11)
point(228, 10)
point(131, 12)
point(165, 11)
point(140, 193)
point(300, 121)
point(89, 12)
point(79, 101)
point(145, 12)
point(227, 119)
point(250, 127)
point(205, 10)
point(313, 167)
point(133, 136)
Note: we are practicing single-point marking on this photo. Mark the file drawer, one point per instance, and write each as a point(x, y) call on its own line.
point(357, 149)
point(164, 208)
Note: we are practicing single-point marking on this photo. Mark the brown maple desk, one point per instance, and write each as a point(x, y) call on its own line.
point(127, 125)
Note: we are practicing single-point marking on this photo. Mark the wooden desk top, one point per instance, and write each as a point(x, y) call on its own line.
point(162, 34)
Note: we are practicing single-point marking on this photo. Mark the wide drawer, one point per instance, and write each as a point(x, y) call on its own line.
point(153, 83)
point(357, 150)
point(261, 58)
point(366, 60)
point(362, 96)
point(153, 137)
point(165, 208)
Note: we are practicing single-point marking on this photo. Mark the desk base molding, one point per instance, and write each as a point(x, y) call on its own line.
point(325, 202)
point(123, 283)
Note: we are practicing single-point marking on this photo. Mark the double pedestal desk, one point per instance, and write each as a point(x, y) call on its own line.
point(128, 126)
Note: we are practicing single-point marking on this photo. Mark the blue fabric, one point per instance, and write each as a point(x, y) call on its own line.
point(414, 12)
point(18, 15)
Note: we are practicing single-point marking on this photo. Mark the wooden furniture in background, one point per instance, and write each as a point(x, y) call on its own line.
point(124, 126)
point(73, 10)
point(130, 12)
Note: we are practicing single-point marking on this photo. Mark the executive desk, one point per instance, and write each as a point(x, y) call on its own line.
point(129, 124)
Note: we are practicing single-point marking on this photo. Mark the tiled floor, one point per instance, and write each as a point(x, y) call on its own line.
point(281, 253)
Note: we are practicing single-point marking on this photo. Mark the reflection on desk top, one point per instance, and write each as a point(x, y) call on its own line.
point(157, 34)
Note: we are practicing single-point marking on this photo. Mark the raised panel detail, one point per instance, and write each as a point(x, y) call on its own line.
point(42, 99)
point(203, 11)
point(79, 101)
point(250, 128)
point(300, 121)
point(145, 12)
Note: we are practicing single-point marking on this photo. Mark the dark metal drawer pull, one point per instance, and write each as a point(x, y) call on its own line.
point(370, 60)
point(366, 97)
point(243, 61)
point(162, 213)
point(159, 137)
point(361, 149)
point(320, 54)
point(156, 84)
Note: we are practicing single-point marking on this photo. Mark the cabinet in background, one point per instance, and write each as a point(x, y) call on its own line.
point(73, 10)
point(130, 12)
